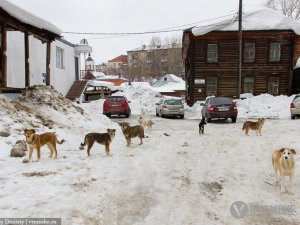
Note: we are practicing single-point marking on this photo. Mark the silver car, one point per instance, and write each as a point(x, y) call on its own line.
point(295, 107)
point(170, 107)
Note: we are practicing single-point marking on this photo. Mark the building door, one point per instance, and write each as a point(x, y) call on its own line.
point(273, 85)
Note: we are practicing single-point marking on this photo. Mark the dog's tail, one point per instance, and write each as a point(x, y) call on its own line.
point(244, 126)
point(60, 142)
point(84, 142)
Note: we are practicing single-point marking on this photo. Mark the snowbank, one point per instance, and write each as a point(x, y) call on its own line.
point(142, 99)
point(44, 109)
point(265, 105)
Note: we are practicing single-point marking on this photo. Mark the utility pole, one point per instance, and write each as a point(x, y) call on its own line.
point(240, 50)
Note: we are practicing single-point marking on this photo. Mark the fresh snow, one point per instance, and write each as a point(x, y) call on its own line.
point(176, 177)
point(259, 20)
point(27, 17)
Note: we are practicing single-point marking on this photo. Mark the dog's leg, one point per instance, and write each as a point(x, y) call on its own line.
point(277, 175)
point(55, 151)
point(128, 142)
point(30, 154)
point(141, 142)
point(38, 152)
point(107, 149)
point(291, 181)
point(90, 145)
point(51, 150)
point(282, 183)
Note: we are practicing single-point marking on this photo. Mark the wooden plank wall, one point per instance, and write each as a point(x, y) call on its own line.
point(226, 69)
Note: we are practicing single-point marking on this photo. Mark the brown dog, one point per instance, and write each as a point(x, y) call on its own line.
point(104, 139)
point(34, 140)
point(284, 165)
point(257, 126)
point(132, 132)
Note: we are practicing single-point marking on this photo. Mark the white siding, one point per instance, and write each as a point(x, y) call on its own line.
point(61, 78)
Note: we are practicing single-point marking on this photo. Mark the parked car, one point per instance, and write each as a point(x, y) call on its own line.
point(219, 107)
point(116, 105)
point(295, 107)
point(170, 107)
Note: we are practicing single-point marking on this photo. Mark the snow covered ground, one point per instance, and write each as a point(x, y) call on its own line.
point(176, 177)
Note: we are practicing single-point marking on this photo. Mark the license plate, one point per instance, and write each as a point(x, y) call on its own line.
point(222, 109)
point(114, 105)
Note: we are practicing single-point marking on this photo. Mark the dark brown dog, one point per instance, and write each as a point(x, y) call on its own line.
point(101, 138)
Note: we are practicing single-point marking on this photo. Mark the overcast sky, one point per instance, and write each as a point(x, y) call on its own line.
point(127, 16)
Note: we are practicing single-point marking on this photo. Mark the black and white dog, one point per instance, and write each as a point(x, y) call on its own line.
point(201, 125)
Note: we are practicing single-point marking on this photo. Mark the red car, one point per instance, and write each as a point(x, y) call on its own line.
point(116, 105)
point(219, 107)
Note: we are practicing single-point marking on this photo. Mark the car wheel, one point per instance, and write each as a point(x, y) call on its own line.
point(208, 120)
point(233, 119)
point(108, 115)
point(127, 115)
point(293, 117)
point(181, 116)
point(157, 113)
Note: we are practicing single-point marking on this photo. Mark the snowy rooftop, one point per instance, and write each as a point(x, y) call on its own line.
point(153, 47)
point(27, 17)
point(259, 20)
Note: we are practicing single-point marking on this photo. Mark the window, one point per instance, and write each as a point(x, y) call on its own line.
point(212, 53)
point(248, 85)
point(274, 52)
point(59, 57)
point(273, 85)
point(135, 55)
point(249, 52)
point(211, 86)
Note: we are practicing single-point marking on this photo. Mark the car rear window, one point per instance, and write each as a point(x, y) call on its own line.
point(115, 99)
point(173, 102)
point(297, 99)
point(218, 101)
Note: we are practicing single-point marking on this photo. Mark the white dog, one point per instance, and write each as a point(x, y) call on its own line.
point(284, 165)
point(146, 123)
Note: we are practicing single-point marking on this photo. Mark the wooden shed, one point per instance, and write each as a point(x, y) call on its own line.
point(13, 18)
point(271, 47)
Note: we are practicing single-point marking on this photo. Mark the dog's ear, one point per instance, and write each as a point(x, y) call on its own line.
point(25, 130)
point(281, 150)
point(293, 151)
point(33, 131)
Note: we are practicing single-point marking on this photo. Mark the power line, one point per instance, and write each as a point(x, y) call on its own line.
point(164, 30)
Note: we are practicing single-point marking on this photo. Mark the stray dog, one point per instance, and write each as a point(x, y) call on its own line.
point(201, 125)
point(284, 165)
point(257, 126)
point(132, 132)
point(34, 140)
point(146, 123)
point(103, 139)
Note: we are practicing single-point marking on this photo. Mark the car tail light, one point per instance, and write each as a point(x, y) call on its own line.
point(211, 108)
point(292, 105)
point(234, 107)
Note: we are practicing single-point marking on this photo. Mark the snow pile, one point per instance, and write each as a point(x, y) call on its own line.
point(265, 105)
point(142, 99)
point(193, 112)
point(169, 83)
point(43, 108)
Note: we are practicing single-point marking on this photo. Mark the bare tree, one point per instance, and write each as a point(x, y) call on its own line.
point(290, 8)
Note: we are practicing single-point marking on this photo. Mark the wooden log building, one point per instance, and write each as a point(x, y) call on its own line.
point(13, 18)
point(271, 48)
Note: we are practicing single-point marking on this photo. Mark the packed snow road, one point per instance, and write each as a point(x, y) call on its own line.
point(176, 177)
